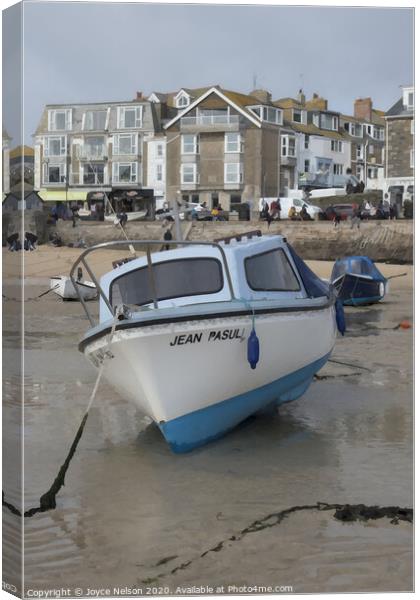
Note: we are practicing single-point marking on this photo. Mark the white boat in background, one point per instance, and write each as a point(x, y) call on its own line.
point(236, 326)
point(64, 287)
point(131, 216)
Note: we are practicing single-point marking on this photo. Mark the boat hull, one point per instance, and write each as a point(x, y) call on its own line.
point(193, 377)
point(357, 291)
point(63, 287)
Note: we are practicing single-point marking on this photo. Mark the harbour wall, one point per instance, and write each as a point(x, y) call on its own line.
point(390, 241)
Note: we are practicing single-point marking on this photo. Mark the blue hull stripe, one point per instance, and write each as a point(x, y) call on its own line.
point(357, 301)
point(201, 426)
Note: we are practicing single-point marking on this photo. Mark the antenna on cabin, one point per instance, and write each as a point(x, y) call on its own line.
point(301, 81)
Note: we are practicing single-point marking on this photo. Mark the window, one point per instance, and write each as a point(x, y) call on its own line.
point(359, 151)
point(354, 129)
point(233, 173)
point(55, 146)
point(130, 117)
point(329, 122)
point(190, 144)
point(93, 174)
point(336, 146)
point(188, 173)
point(371, 149)
point(337, 169)
point(95, 119)
point(159, 150)
point(124, 172)
point(288, 145)
point(234, 142)
point(368, 130)
point(306, 142)
point(158, 172)
point(54, 173)
point(378, 133)
point(182, 101)
point(271, 272)
point(307, 165)
point(59, 120)
point(298, 116)
point(172, 279)
point(412, 158)
point(235, 199)
point(125, 143)
point(268, 113)
point(372, 173)
point(359, 172)
point(410, 102)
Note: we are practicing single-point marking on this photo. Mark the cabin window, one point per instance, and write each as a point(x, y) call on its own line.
point(271, 272)
point(173, 279)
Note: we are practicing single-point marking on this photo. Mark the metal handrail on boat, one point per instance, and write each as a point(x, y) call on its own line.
point(148, 243)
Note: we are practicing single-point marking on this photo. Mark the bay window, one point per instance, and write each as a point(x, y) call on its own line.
point(124, 172)
point(328, 122)
point(93, 174)
point(55, 146)
point(125, 143)
point(54, 173)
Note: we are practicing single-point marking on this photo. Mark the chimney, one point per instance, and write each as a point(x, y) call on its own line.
point(363, 109)
point(139, 95)
point(262, 95)
point(301, 97)
point(317, 103)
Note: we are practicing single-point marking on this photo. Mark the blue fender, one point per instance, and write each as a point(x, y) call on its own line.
point(339, 316)
point(253, 349)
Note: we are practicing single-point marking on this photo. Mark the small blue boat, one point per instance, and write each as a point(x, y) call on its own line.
point(358, 281)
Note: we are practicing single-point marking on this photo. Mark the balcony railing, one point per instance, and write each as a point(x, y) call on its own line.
point(92, 152)
point(211, 120)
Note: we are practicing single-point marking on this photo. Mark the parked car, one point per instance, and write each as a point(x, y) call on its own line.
point(376, 212)
point(344, 211)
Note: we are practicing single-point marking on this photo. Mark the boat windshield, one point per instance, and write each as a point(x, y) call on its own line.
point(171, 279)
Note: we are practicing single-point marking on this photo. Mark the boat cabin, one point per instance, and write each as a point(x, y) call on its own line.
point(244, 270)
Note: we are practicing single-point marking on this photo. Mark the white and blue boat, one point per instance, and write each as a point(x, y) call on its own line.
point(204, 335)
point(358, 281)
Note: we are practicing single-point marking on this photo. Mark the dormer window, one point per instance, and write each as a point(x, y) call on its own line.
point(328, 122)
point(269, 114)
point(130, 117)
point(59, 120)
point(299, 116)
point(354, 129)
point(182, 100)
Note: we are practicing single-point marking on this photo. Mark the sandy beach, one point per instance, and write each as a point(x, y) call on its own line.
point(134, 515)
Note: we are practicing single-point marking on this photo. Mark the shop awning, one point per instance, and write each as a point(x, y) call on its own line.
point(62, 195)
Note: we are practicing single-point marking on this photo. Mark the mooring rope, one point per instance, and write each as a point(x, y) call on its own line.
point(48, 500)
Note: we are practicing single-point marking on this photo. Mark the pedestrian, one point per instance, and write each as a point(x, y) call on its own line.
point(304, 215)
point(355, 217)
point(167, 236)
point(292, 215)
point(215, 213)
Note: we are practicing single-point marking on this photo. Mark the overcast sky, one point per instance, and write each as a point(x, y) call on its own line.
point(86, 52)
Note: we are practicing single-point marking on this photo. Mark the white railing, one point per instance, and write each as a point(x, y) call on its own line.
point(210, 120)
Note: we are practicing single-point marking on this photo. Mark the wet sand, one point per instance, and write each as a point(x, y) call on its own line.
point(132, 514)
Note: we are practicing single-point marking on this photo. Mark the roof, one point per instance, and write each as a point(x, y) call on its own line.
point(314, 130)
point(289, 103)
point(241, 101)
point(399, 110)
point(21, 151)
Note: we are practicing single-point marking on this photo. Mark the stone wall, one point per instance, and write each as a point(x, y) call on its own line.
point(381, 240)
point(400, 144)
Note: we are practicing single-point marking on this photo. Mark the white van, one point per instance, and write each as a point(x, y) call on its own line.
point(298, 203)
